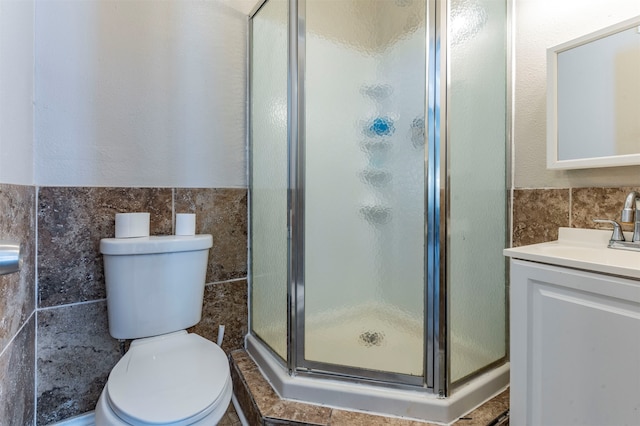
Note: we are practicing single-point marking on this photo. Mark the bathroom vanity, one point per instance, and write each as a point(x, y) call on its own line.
point(575, 332)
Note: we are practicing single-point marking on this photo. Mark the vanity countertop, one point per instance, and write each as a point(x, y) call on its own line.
point(582, 249)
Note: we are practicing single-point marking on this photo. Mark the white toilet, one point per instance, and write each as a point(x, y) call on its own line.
point(155, 287)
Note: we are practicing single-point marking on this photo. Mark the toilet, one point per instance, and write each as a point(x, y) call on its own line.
point(155, 287)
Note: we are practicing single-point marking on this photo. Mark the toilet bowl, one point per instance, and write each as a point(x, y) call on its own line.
point(175, 379)
point(155, 288)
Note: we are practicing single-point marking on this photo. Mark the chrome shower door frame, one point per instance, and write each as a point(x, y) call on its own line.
point(434, 379)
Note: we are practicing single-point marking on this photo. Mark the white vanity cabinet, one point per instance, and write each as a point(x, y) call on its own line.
point(575, 346)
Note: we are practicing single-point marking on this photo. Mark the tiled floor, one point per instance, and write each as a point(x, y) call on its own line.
point(230, 418)
point(263, 407)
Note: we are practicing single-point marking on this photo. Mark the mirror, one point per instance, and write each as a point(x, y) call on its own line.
point(593, 99)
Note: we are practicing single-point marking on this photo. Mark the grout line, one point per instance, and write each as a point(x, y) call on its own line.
point(570, 206)
point(49, 308)
point(36, 298)
point(10, 342)
point(35, 369)
point(36, 302)
point(173, 211)
point(227, 281)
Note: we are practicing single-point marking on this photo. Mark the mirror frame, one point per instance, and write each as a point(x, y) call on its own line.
point(552, 102)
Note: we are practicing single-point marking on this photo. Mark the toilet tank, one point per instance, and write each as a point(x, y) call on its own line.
point(155, 285)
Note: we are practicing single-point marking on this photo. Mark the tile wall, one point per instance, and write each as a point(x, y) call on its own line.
point(17, 309)
point(75, 352)
point(538, 213)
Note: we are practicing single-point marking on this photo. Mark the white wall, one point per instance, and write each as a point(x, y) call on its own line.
point(16, 91)
point(244, 6)
point(94, 121)
point(540, 24)
point(140, 93)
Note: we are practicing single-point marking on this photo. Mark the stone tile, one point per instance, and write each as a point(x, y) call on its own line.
point(17, 378)
point(350, 418)
point(537, 215)
point(262, 406)
point(598, 203)
point(488, 412)
point(230, 418)
point(239, 365)
point(71, 222)
point(244, 362)
point(17, 290)
point(221, 212)
point(260, 391)
point(75, 355)
point(290, 412)
point(224, 303)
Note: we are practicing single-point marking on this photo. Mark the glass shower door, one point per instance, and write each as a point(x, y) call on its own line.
point(364, 186)
point(269, 175)
point(477, 165)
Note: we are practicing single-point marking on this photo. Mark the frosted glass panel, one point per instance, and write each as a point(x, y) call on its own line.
point(476, 269)
point(364, 184)
point(269, 175)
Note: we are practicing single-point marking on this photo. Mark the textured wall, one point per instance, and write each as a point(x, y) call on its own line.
point(17, 305)
point(538, 213)
point(159, 102)
point(132, 99)
point(138, 93)
point(16, 92)
point(540, 24)
point(75, 352)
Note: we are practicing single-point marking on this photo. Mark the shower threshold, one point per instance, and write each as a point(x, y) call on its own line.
point(375, 399)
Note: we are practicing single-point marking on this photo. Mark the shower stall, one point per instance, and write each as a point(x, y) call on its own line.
point(377, 146)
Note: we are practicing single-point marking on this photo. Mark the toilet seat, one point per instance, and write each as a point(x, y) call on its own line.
point(176, 379)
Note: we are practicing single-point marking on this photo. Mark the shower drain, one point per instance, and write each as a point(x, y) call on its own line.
point(371, 338)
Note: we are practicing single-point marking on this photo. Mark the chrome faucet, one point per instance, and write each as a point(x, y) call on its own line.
point(631, 214)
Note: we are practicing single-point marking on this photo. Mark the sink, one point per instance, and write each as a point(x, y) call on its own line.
point(582, 249)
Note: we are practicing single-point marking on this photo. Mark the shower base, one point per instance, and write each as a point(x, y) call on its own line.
point(375, 399)
point(371, 336)
point(261, 405)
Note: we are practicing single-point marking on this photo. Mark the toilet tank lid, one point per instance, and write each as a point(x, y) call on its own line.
point(155, 244)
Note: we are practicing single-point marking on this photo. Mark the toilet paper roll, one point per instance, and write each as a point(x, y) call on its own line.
point(130, 225)
point(185, 224)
